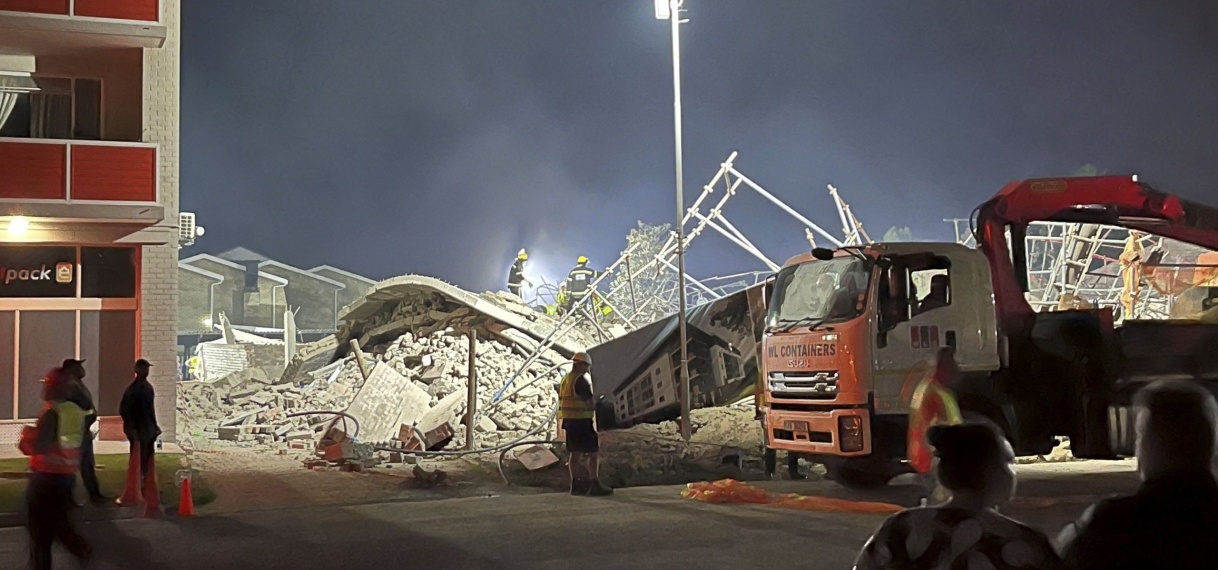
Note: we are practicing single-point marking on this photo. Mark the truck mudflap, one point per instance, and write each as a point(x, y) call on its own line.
point(845, 432)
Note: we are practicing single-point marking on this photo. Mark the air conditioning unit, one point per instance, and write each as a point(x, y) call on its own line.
point(188, 230)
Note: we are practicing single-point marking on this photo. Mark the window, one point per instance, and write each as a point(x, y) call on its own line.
point(929, 289)
point(8, 334)
point(107, 272)
point(912, 285)
point(61, 108)
point(46, 338)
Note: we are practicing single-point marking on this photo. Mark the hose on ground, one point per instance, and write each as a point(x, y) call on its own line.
point(344, 415)
point(541, 426)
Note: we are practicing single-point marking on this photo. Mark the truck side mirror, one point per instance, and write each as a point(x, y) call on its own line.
point(822, 253)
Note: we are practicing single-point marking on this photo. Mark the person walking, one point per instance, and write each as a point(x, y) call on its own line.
point(577, 411)
point(138, 411)
point(53, 446)
point(79, 394)
point(978, 466)
point(1172, 519)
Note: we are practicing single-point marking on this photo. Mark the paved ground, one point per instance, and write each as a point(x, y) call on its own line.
point(639, 528)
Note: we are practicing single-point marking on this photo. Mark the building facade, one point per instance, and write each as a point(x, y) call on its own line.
point(254, 291)
point(89, 94)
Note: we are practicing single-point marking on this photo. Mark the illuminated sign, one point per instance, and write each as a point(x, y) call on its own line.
point(35, 271)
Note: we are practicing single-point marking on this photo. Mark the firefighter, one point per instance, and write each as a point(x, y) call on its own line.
point(579, 282)
point(577, 412)
point(516, 278)
point(53, 446)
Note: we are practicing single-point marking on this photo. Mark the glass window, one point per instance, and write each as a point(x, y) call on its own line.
point(90, 335)
point(825, 291)
point(107, 272)
point(87, 122)
point(47, 337)
point(7, 336)
point(62, 108)
point(115, 357)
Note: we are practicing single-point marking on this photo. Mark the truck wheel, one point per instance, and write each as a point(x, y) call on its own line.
point(863, 473)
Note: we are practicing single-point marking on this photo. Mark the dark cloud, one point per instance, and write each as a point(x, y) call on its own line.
point(440, 136)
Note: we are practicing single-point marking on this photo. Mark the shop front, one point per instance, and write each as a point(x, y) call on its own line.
point(67, 301)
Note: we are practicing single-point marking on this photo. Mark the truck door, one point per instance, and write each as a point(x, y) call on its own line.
point(928, 304)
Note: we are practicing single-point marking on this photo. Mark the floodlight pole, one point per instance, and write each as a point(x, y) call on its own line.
point(674, 18)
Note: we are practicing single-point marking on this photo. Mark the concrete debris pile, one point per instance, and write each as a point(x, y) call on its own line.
point(416, 386)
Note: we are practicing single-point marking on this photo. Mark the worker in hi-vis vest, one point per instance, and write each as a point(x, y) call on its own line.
point(53, 446)
point(576, 411)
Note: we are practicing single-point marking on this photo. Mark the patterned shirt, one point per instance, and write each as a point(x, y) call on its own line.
point(955, 539)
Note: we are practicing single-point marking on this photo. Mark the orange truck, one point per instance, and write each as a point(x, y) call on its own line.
point(849, 330)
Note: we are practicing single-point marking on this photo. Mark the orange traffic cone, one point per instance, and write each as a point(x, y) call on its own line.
point(152, 495)
point(131, 490)
point(186, 503)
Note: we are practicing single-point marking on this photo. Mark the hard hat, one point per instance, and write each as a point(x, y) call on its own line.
point(522, 255)
point(581, 260)
point(582, 357)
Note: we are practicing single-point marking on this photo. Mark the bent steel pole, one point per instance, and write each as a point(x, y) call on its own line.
point(805, 221)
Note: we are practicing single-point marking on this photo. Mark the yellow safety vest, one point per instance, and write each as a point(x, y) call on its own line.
point(64, 459)
point(570, 405)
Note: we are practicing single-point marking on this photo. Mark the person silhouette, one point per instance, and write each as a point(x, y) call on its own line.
point(976, 464)
point(1172, 519)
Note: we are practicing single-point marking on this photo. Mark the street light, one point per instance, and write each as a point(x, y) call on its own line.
point(671, 10)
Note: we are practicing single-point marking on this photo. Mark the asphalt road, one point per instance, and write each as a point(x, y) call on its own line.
point(638, 528)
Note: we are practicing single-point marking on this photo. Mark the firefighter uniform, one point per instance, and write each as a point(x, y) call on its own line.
point(516, 278)
point(579, 282)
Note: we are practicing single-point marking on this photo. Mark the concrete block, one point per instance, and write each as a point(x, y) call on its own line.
point(536, 457)
point(228, 433)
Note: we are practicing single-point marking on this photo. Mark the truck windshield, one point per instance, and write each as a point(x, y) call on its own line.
point(823, 291)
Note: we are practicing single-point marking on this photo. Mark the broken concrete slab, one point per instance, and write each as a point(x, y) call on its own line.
point(385, 402)
point(536, 457)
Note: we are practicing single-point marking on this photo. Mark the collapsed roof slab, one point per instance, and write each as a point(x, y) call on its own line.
point(367, 316)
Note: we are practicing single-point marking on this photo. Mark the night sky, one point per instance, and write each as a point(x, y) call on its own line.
point(438, 137)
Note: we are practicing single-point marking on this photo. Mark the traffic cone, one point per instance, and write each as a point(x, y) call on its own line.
point(186, 504)
point(131, 490)
point(152, 495)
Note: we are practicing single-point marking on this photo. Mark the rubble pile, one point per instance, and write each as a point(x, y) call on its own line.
point(252, 408)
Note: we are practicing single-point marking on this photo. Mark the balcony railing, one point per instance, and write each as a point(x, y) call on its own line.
point(78, 172)
point(136, 10)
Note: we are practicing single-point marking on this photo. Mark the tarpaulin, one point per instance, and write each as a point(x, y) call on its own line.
point(733, 491)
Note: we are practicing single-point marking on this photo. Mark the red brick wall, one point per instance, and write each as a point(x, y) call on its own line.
point(113, 173)
point(33, 171)
point(36, 6)
point(144, 10)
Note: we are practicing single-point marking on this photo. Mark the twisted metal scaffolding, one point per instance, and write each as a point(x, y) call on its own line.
point(1138, 276)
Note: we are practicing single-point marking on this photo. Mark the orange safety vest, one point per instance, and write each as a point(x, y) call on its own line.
point(64, 457)
point(570, 405)
point(932, 403)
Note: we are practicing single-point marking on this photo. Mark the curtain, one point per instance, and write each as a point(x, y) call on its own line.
point(51, 115)
point(8, 101)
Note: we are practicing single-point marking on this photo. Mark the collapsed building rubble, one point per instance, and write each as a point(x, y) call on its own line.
point(399, 371)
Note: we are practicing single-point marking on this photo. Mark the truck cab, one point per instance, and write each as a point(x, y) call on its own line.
point(848, 331)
